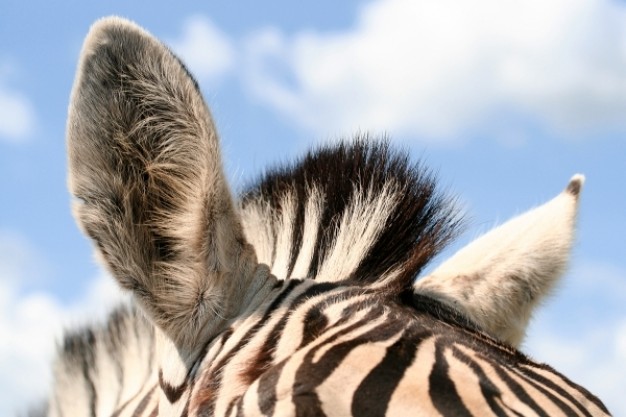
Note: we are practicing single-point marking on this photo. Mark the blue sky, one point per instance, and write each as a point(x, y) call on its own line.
point(505, 100)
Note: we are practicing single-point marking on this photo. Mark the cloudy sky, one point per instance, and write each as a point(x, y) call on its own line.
point(506, 100)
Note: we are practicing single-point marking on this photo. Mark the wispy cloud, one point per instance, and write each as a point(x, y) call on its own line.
point(31, 323)
point(17, 115)
point(436, 70)
point(204, 48)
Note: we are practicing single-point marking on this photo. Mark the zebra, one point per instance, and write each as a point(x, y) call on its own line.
point(298, 297)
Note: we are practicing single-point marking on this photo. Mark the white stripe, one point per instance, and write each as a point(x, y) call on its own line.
point(467, 385)
point(257, 223)
point(360, 225)
point(312, 214)
point(337, 392)
point(412, 394)
point(284, 227)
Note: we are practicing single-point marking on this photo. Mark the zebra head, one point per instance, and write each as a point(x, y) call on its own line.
point(241, 291)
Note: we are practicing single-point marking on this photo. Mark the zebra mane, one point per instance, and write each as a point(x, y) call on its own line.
point(352, 210)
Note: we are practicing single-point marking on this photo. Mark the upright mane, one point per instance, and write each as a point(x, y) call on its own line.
point(355, 209)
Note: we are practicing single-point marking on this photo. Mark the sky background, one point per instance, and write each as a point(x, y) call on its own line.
point(506, 100)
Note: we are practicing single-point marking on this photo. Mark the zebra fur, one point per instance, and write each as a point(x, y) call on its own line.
point(246, 307)
point(500, 278)
point(356, 209)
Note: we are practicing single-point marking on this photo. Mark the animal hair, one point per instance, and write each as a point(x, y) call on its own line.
point(358, 197)
point(299, 297)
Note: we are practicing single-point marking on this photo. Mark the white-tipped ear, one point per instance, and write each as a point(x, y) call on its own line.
point(498, 279)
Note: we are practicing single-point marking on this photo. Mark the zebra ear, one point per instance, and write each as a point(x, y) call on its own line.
point(498, 279)
point(146, 172)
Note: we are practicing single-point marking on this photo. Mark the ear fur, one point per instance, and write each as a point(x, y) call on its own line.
point(146, 172)
point(499, 279)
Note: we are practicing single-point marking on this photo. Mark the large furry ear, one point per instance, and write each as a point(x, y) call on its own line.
point(146, 172)
point(498, 279)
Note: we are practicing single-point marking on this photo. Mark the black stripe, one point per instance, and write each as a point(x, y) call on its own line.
point(117, 331)
point(185, 412)
point(315, 321)
point(213, 380)
point(143, 403)
point(221, 340)
point(265, 354)
point(373, 395)
point(267, 389)
point(79, 349)
point(435, 309)
point(267, 383)
point(297, 230)
point(312, 374)
point(172, 393)
point(240, 407)
point(517, 389)
point(589, 396)
point(490, 391)
point(441, 388)
point(235, 402)
point(536, 379)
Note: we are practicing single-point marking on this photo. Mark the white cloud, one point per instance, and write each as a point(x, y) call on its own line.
point(18, 261)
point(17, 115)
point(30, 324)
point(207, 52)
point(441, 69)
point(594, 354)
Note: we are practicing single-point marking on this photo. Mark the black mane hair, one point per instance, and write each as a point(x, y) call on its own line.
point(420, 223)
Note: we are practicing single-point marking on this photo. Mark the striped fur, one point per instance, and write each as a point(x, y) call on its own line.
point(298, 298)
point(355, 210)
